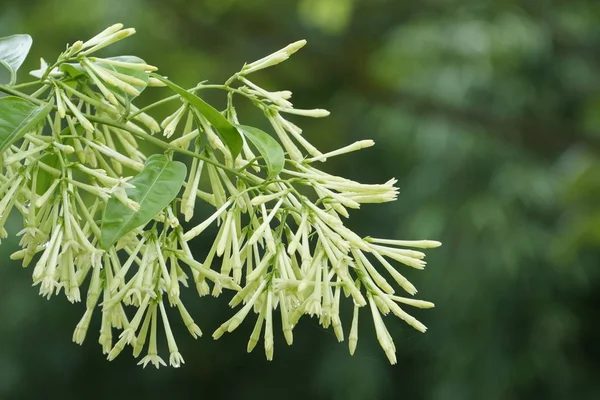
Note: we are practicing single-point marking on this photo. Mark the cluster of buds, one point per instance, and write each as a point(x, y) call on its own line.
point(282, 245)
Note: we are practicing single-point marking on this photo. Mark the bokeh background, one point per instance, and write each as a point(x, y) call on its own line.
point(487, 112)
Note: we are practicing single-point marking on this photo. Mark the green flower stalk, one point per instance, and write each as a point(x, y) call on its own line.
point(106, 223)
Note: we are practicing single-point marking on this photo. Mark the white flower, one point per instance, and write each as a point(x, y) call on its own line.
point(82, 327)
point(273, 59)
point(112, 78)
point(170, 123)
point(287, 143)
point(118, 191)
point(175, 359)
point(124, 64)
point(423, 244)
point(279, 98)
point(383, 336)
point(314, 113)
point(38, 73)
point(198, 229)
point(188, 321)
point(269, 325)
point(100, 36)
point(107, 37)
point(87, 125)
point(153, 359)
point(361, 144)
point(118, 157)
point(238, 318)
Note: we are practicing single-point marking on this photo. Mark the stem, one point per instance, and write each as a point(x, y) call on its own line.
point(162, 101)
point(26, 84)
point(55, 65)
point(9, 90)
point(150, 106)
point(160, 143)
point(86, 98)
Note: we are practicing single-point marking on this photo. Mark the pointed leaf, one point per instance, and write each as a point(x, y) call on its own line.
point(227, 132)
point(71, 69)
point(17, 117)
point(155, 187)
point(268, 147)
point(13, 51)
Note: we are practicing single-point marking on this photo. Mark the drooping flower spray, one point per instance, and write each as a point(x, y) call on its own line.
point(107, 223)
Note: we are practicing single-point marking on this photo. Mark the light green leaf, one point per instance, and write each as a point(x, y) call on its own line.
point(268, 147)
point(13, 51)
point(227, 132)
point(17, 117)
point(155, 187)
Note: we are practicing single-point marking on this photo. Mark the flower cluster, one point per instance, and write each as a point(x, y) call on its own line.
point(282, 246)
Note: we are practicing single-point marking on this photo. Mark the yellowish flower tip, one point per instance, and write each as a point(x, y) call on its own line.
point(76, 47)
point(314, 113)
point(175, 359)
point(273, 59)
point(153, 82)
point(294, 47)
point(107, 32)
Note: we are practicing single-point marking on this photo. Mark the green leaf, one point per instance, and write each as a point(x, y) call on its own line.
point(268, 147)
point(73, 70)
point(13, 51)
point(227, 132)
point(155, 187)
point(17, 117)
point(44, 178)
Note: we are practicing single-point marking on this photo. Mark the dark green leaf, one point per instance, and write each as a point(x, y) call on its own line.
point(268, 147)
point(227, 132)
point(44, 178)
point(73, 70)
point(17, 117)
point(155, 187)
point(13, 51)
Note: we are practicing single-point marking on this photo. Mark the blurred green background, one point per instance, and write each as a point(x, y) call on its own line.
point(487, 112)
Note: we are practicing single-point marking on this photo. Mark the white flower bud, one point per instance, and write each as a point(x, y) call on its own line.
point(314, 113)
point(104, 41)
point(423, 244)
point(100, 36)
point(198, 229)
point(361, 144)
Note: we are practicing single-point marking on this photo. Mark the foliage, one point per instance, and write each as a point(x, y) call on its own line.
point(279, 247)
point(488, 115)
